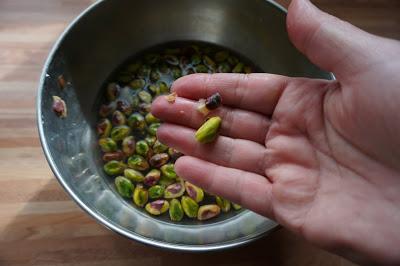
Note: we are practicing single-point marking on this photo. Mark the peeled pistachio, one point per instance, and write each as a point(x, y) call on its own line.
point(157, 207)
point(159, 159)
point(238, 68)
point(224, 204)
point(174, 191)
point(118, 118)
point(206, 212)
point(190, 207)
point(150, 140)
point(142, 148)
point(152, 177)
point(152, 129)
point(137, 162)
point(134, 175)
point(140, 196)
point(105, 110)
point(59, 107)
point(114, 167)
point(158, 147)
point(150, 118)
point(113, 156)
point(104, 128)
point(124, 106)
point(118, 133)
point(107, 144)
point(168, 171)
point(194, 192)
point(221, 56)
point(236, 206)
point(145, 97)
point(164, 181)
point(135, 102)
point(209, 130)
point(175, 210)
point(163, 87)
point(124, 186)
point(156, 192)
point(136, 121)
point(112, 91)
point(154, 89)
point(129, 145)
point(144, 108)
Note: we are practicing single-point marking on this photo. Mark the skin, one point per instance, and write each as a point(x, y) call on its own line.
point(322, 158)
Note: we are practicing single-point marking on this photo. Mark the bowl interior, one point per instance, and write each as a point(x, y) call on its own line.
point(95, 45)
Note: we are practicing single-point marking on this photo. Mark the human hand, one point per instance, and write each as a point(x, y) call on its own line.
point(320, 157)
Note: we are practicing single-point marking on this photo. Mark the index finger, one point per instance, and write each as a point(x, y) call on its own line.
point(254, 92)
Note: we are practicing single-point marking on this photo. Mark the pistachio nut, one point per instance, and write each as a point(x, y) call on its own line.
point(209, 130)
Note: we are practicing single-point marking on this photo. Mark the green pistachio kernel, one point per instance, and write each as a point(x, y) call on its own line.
point(124, 186)
point(152, 129)
point(128, 145)
point(150, 140)
point(152, 177)
point(142, 148)
point(190, 207)
point(104, 128)
point(174, 190)
point(118, 118)
point(145, 97)
point(168, 171)
point(134, 175)
point(157, 207)
point(140, 196)
point(137, 162)
point(158, 147)
point(175, 210)
point(150, 118)
point(118, 133)
point(236, 206)
point(156, 192)
point(209, 130)
point(107, 144)
point(136, 121)
point(196, 193)
point(137, 84)
point(224, 204)
point(206, 212)
point(114, 167)
point(163, 87)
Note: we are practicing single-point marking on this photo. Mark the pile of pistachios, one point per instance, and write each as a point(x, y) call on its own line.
point(141, 166)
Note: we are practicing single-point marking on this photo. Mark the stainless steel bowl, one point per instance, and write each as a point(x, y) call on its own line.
point(96, 43)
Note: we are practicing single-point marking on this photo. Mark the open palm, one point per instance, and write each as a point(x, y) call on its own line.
point(320, 157)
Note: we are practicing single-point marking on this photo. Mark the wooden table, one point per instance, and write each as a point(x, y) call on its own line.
point(39, 224)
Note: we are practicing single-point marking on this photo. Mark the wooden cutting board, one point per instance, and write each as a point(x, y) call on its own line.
point(39, 224)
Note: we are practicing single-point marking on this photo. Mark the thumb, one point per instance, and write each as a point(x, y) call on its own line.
point(330, 43)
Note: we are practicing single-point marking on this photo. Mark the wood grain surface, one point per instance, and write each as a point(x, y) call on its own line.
point(39, 224)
